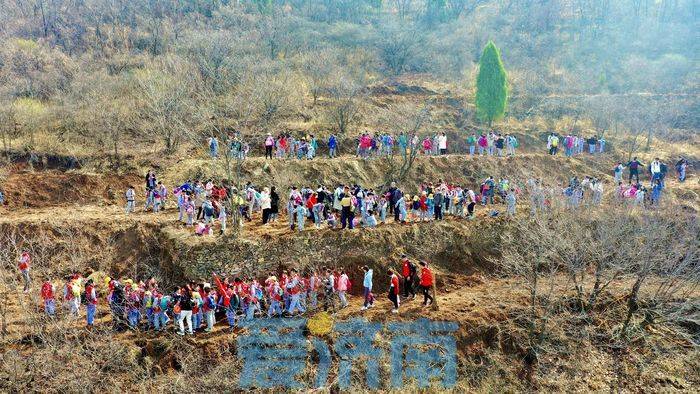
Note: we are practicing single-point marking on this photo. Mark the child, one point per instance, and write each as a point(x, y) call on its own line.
point(47, 294)
point(208, 210)
point(393, 290)
point(343, 283)
point(415, 208)
point(91, 300)
point(222, 218)
point(430, 202)
point(156, 200)
point(149, 199)
point(200, 229)
point(332, 219)
point(209, 307)
point(301, 213)
point(189, 209)
point(510, 200)
point(382, 205)
point(370, 220)
point(401, 207)
point(197, 315)
point(367, 285)
point(318, 214)
point(274, 293)
point(130, 199)
point(23, 264)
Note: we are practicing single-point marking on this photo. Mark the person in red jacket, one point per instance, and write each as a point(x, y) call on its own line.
point(23, 263)
point(408, 272)
point(394, 290)
point(47, 294)
point(91, 301)
point(426, 282)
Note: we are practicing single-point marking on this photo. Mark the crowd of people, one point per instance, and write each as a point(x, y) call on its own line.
point(574, 144)
point(144, 305)
point(203, 204)
point(368, 145)
point(638, 193)
point(347, 206)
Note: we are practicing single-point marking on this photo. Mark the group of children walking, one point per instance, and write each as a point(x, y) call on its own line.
point(144, 305)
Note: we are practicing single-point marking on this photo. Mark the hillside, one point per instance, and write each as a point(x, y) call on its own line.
point(74, 220)
point(585, 288)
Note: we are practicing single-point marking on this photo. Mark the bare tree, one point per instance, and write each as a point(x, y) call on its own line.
point(318, 69)
point(345, 109)
point(527, 254)
point(166, 104)
point(409, 121)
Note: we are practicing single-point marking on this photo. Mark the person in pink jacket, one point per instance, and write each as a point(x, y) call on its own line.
point(483, 143)
point(343, 285)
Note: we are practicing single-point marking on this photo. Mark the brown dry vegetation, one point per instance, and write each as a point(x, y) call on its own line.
point(491, 306)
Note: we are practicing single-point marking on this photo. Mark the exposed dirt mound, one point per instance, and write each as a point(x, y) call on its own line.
point(56, 188)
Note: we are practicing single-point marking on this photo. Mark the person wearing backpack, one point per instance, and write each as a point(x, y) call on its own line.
point(118, 306)
point(213, 147)
point(408, 271)
point(343, 282)
point(294, 288)
point(471, 141)
point(511, 144)
point(592, 142)
point(48, 295)
point(274, 293)
point(367, 286)
point(91, 301)
point(184, 307)
point(209, 307)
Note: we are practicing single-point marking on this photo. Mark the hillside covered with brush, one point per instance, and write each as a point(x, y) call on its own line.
point(574, 297)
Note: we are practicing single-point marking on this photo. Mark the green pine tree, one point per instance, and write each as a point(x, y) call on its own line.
point(491, 85)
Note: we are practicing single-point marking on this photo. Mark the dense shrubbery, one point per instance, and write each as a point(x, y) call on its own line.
point(164, 63)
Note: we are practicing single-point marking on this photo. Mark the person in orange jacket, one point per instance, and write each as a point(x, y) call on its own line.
point(426, 282)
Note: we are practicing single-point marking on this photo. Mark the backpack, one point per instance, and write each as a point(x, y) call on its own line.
point(515, 142)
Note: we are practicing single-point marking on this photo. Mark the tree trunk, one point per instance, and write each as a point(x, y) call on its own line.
point(632, 305)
